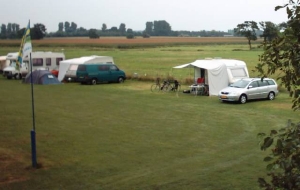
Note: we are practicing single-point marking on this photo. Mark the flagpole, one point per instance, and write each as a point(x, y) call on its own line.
point(32, 132)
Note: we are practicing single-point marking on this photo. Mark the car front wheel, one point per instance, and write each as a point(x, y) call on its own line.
point(120, 80)
point(271, 96)
point(94, 81)
point(243, 99)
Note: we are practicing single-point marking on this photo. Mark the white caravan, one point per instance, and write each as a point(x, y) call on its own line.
point(3, 63)
point(40, 60)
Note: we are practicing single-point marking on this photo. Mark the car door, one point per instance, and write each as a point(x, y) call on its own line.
point(103, 73)
point(252, 91)
point(114, 73)
point(263, 89)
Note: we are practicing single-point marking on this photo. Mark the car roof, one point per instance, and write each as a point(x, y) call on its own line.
point(254, 79)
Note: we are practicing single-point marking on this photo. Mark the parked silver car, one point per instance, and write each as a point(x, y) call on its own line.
point(249, 89)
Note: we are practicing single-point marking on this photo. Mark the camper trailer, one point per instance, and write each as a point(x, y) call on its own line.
point(3, 63)
point(40, 61)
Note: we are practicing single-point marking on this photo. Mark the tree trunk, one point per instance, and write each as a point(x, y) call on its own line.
point(249, 42)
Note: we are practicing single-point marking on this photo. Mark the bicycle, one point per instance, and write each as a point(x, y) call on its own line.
point(175, 86)
point(159, 87)
point(166, 86)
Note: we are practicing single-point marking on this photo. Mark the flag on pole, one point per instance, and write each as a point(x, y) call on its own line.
point(26, 46)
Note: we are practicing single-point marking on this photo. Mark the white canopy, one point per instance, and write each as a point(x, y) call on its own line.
point(217, 75)
point(64, 65)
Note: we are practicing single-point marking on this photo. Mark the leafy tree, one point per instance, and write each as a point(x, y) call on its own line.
point(149, 28)
point(129, 30)
point(270, 30)
point(93, 34)
point(8, 28)
point(282, 56)
point(38, 31)
point(13, 27)
point(73, 27)
point(114, 29)
point(247, 29)
point(17, 27)
point(122, 29)
point(162, 28)
point(60, 26)
point(20, 33)
point(3, 31)
point(67, 27)
point(145, 34)
point(282, 26)
point(104, 27)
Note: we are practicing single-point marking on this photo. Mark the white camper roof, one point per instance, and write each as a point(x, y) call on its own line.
point(2, 58)
point(64, 65)
point(216, 70)
point(48, 54)
point(12, 56)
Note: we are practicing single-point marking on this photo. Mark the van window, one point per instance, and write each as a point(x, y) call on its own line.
point(58, 60)
point(103, 68)
point(81, 68)
point(113, 68)
point(48, 61)
point(238, 72)
point(37, 62)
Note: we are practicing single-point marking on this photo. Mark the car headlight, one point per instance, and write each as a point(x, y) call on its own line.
point(233, 93)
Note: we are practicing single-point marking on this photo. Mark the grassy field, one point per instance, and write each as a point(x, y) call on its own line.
point(123, 136)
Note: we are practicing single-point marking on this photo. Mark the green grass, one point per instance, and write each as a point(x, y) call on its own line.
point(159, 62)
point(123, 136)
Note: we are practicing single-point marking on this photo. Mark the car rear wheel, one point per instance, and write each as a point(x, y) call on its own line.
point(271, 96)
point(94, 81)
point(243, 99)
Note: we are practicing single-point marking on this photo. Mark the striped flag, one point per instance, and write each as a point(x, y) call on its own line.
point(26, 47)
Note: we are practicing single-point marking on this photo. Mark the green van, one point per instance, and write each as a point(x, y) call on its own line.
point(99, 73)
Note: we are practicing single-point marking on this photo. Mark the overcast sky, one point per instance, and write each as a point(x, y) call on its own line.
point(191, 15)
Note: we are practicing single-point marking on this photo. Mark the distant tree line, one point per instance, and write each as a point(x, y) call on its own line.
point(249, 29)
point(13, 31)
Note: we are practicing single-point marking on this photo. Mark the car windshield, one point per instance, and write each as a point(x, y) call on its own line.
point(240, 84)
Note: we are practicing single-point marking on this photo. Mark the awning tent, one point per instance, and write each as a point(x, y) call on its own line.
point(64, 65)
point(216, 75)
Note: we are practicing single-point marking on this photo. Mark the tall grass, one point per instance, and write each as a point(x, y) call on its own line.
point(123, 136)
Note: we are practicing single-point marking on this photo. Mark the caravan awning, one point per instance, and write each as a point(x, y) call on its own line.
point(216, 72)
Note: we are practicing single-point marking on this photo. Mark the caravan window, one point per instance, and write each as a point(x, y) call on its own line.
point(58, 60)
point(48, 61)
point(37, 62)
point(238, 72)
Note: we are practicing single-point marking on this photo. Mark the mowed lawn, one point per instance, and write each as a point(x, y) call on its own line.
point(123, 136)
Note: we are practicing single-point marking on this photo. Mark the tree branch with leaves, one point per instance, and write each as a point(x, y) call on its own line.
point(248, 30)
